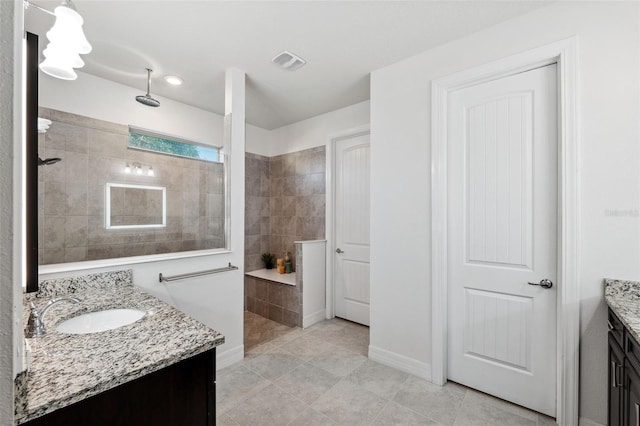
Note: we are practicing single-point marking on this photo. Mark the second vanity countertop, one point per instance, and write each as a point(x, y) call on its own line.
point(623, 297)
point(67, 368)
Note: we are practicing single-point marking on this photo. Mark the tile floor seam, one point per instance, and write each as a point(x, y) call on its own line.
point(262, 375)
point(292, 394)
point(307, 406)
point(400, 386)
point(498, 404)
point(270, 383)
point(256, 388)
point(411, 409)
point(373, 421)
point(329, 390)
point(248, 395)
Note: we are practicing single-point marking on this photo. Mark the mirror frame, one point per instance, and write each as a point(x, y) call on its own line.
point(31, 164)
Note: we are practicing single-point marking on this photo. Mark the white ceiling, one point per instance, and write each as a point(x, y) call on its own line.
point(342, 41)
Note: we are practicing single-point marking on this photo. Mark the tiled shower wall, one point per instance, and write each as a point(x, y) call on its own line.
point(285, 201)
point(71, 194)
point(297, 199)
point(256, 213)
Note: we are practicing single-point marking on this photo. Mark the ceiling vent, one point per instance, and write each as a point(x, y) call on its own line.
point(288, 61)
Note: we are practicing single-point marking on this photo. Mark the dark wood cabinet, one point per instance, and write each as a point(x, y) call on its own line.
point(616, 365)
point(180, 394)
point(631, 403)
point(624, 375)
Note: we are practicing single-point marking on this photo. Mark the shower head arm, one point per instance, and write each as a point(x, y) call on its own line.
point(148, 80)
point(147, 99)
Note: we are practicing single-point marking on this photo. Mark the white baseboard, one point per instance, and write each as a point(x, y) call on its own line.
point(229, 357)
point(400, 362)
point(309, 320)
point(588, 422)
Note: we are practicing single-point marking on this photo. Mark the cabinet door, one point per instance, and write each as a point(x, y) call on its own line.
point(615, 381)
point(632, 396)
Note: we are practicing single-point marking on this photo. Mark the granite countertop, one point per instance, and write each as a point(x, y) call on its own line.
point(67, 368)
point(623, 297)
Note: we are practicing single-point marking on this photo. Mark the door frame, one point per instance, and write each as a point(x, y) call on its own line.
point(330, 179)
point(564, 53)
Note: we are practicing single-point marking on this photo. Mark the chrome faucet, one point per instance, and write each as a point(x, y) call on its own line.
point(35, 325)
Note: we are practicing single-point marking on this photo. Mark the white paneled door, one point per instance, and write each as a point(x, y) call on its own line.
point(351, 262)
point(502, 235)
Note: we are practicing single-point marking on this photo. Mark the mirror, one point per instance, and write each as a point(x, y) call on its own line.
point(135, 206)
point(108, 191)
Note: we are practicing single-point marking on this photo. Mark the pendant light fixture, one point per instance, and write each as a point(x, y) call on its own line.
point(147, 99)
point(66, 42)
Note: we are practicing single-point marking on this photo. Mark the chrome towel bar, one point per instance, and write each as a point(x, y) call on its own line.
point(230, 267)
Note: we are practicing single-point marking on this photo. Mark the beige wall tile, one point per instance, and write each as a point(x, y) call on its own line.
point(54, 232)
point(95, 152)
point(76, 202)
point(75, 254)
point(76, 232)
point(106, 144)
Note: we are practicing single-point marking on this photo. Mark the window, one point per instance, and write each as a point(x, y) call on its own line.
point(148, 140)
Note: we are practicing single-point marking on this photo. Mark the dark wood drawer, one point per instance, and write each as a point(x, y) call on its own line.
point(615, 328)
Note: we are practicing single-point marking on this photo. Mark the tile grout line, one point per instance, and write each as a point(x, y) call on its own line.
point(409, 408)
point(380, 412)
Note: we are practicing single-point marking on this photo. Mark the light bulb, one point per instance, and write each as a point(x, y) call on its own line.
point(59, 52)
point(58, 68)
point(138, 170)
point(68, 28)
point(150, 172)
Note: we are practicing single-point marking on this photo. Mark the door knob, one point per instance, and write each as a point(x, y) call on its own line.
point(339, 250)
point(545, 283)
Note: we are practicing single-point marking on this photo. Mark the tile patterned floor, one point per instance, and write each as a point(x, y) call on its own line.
point(321, 376)
point(258, 330)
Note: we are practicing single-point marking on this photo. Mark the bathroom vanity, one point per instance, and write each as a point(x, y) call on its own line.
point(157, 370)
point(623, 299)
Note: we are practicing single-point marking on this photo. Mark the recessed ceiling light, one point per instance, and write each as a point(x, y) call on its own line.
point(173, 80)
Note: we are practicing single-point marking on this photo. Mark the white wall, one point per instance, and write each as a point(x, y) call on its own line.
point(215, 300)
point(96, 97)
point(309, 133)
point(608, 37)
point(10, 293)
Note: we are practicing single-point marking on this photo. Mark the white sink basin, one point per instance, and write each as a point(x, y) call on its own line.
point(95, 322)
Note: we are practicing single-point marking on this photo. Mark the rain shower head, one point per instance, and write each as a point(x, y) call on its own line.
point(147, 99)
